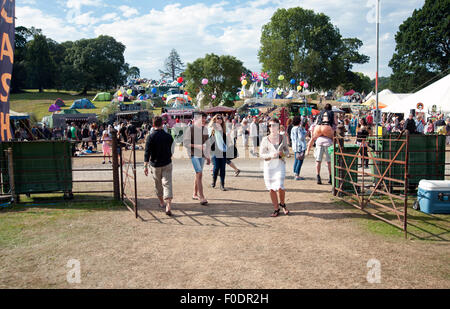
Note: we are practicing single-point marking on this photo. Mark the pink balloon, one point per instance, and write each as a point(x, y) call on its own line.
point(204, 81)
point(306, 85)
point(213, 96)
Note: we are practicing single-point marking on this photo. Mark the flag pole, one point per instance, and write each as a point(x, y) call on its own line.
point(377, 116)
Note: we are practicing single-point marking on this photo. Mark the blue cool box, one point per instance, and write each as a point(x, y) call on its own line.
point(434, 196)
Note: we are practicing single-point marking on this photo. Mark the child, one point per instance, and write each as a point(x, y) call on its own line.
point(106, 146)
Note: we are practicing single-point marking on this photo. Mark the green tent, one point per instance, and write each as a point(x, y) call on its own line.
point(69, 112)
point(102, 96)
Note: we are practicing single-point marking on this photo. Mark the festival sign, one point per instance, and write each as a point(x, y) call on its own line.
point(7, 31)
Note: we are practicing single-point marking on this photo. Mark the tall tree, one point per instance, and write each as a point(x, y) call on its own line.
point(39, 63)
point(303, 45)
point(423, 46)
point(19, 76)
point(100, 62)
point(222, 72)
point(133, 73)
point(172, 66)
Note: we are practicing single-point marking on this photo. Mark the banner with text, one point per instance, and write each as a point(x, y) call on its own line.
point(7, 31)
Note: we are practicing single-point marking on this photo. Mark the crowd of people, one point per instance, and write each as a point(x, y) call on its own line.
point(213, 139)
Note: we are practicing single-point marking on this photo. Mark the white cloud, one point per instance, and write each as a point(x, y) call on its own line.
point(51, 26)
point(77, 4)
point(128, 11)
point(222, 28)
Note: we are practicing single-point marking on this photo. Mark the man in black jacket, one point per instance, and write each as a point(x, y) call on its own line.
point(158, 153)
point(410, 124)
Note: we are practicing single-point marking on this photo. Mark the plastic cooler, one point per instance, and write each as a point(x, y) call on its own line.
point(433, 196)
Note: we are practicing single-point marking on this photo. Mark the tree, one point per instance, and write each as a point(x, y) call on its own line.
point(357, 81)
point(133, 73)
point(39, 63)
point(100, 63)
point(303, 45)
point(172, 66)
point(423, 46)
point(19, 76)
point(222, 72)
point(383, 83)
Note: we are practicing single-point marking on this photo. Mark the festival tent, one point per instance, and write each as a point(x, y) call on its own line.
point(60, 102)
point(82, 104)
point(54, 108)
point(436, 96)
point(102, 96)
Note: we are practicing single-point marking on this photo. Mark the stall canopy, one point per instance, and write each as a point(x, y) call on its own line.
point(436, 96)
point(17, 116)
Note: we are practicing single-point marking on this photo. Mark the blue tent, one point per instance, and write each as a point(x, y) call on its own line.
point(82, 104)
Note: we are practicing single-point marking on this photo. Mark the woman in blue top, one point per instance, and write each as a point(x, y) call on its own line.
point(298, 138)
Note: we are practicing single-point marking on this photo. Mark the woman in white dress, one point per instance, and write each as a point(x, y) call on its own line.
point(273, 150)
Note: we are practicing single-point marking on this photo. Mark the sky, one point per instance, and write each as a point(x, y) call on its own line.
point(150, 29)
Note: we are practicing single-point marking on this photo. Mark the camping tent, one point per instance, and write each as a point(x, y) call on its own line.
point(351, 92)
point(54, 108)
point(82, 104)
point(102, 96)
point(435, 96)
point(60, 102)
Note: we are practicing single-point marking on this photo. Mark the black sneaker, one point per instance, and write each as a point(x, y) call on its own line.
point(319, 181)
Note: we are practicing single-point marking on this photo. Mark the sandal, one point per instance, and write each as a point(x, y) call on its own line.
point(195, 197)
point(284, 209)
point(205, 202)
point(275, 213)
point(237, 173)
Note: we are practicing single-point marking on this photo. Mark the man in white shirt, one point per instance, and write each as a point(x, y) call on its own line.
point(254, 136)
point(322, 145)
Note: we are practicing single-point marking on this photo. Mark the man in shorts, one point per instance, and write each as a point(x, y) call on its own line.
point(321, 152)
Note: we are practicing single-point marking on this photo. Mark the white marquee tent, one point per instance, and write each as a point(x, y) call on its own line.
point(437, 94)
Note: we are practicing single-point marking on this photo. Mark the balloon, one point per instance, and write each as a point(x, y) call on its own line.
point(154, 90)
point(299, 88)
point(186, 93)
point(302, 84)
point(213, 96)
point(292, 81)
point(129, 91)
point(204, 81)
point(119, 93)
point(306, 85)
point(281, 77)
point(166, 95)
point(244, 82)
point(180, 80)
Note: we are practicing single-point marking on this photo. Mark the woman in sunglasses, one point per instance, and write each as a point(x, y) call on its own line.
point(219, 139)
point(273, 150)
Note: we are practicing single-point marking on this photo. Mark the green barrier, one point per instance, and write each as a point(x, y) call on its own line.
point(426, 157)
point(39, 167)
point(350, 149)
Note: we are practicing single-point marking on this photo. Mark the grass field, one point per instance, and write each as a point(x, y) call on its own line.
point(31, 101)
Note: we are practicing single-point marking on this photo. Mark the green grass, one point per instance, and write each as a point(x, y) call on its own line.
point(31, 101)
point(421, 226)
point(18, 220)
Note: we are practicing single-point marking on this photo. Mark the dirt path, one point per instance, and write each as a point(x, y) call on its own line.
point(232, 243)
